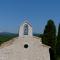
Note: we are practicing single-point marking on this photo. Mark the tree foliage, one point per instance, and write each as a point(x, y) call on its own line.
point(49, 35)
point(58, 41)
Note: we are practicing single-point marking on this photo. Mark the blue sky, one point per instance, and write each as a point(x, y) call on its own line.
point(12, 13)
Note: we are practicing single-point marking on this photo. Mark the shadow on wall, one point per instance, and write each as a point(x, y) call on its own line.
point(51, 54)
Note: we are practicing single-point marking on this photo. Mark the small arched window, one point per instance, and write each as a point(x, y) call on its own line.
point(25, 29)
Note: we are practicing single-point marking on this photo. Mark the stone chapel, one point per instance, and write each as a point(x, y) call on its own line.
point(25, 46)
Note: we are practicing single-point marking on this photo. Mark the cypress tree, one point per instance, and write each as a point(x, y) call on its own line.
point(58, 41)
point(49, 35)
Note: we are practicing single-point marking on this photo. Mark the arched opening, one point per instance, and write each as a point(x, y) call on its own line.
point(25, 29)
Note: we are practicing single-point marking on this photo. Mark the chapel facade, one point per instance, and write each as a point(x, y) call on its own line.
point(25, 46)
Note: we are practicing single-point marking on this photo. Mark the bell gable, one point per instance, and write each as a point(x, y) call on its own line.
point(25, 29)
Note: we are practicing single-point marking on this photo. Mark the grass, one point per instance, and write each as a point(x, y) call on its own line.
point(4, 38)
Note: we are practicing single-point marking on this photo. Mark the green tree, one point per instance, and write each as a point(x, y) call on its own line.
point(49, 36)
point(58, 41)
